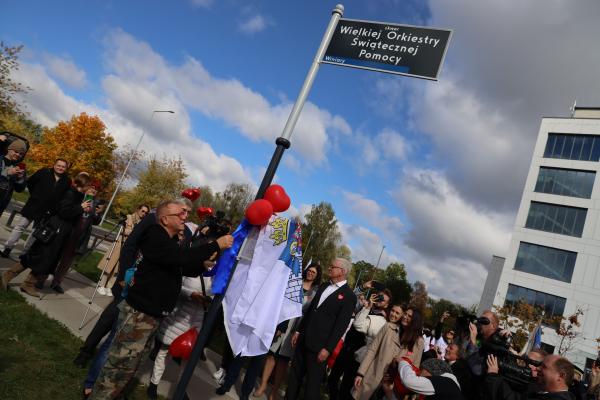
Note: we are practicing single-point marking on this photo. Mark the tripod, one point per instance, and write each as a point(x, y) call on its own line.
point(108, 258)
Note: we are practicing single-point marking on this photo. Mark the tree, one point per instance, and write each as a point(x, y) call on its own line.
point(84, 143)
point(21, 125)
point(521, 318)
point(361, 272)
point(233, 201)
point(321, 234)
point(162, 179)
point(8, 87)
point(418, 298)
point(344, 251)
point(568, 334)
point(395, 279)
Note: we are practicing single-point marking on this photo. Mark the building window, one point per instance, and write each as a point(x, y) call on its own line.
point(546, 261)
point(553, 306)
point(573, 147)
point(565, 182)
point(548, 348)
point(556, 219)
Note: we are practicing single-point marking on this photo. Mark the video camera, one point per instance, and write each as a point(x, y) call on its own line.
point(512, 367)
point(213, 228)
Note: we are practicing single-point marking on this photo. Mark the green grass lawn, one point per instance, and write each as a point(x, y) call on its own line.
point(88, 265)
point(36, 355)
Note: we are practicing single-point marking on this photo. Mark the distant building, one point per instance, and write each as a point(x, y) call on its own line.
point(554, 256)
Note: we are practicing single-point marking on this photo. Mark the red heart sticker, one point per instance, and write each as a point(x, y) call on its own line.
point(340, 296)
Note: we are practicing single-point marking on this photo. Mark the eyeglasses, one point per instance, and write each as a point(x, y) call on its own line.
point(144, 211)
point(181, 214)
point(335, 266)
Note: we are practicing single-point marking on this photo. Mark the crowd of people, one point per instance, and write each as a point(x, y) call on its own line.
point(349, 343)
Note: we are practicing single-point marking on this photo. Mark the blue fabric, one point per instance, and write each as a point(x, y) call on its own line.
point(100, 358)
point(292, 254)
point(228, 258)
point(537, 341)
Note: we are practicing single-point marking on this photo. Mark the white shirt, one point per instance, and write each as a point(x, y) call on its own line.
point(328, 290)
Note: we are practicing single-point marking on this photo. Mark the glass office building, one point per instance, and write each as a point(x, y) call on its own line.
point(553, 261)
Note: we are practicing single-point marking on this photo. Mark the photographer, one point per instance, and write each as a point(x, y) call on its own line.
point(554, 375)
point(12, 170)
point(499, 387)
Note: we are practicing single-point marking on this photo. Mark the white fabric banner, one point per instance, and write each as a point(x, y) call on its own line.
point(266, 287)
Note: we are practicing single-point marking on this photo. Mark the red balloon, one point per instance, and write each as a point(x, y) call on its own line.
point(276, 195)
point(191, 193)
point(183, 345)
point(203, 211)
point(259, 212)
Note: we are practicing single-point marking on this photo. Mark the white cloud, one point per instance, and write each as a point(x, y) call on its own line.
point(253, 24)
point(392, 144)
point(226, 99)
point(372, 213)
point(444, 225)
point(65, 70)
point(127, 118)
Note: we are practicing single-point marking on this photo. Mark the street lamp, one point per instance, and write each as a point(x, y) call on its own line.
point(129, 163)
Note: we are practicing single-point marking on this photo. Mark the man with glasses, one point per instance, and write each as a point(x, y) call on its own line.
point(325, 321)
point(153, 294)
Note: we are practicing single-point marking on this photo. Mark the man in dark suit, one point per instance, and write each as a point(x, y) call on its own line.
point(321, 328)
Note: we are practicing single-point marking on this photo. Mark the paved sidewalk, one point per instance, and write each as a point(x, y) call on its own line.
point(69, 308)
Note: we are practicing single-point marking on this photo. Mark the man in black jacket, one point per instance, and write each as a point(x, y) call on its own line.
point(321, 328)
point(46, 187)
point(554, 376)
point(153, 294)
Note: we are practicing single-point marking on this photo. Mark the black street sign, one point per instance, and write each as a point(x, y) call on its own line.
point(396, 49)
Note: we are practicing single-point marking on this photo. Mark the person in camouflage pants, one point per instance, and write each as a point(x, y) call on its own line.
point(133, 340)
point(152, 294)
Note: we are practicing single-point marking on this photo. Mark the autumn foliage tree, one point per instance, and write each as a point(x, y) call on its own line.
point(84, 143)
point(418, 297)
point(162, 178)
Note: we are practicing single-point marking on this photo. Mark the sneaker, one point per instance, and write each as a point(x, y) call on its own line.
point(101, 290)
point(219, 375)
point(58, 289)
point(108, 292)
point(221, 390)
point(152, 391)
point(5, 253)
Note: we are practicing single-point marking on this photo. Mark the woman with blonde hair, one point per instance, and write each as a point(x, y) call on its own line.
point(401, 337)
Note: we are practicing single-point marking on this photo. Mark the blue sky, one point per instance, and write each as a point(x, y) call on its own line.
point(433, 170)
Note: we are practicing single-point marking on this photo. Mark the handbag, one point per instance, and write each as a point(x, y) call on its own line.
point(45, 232)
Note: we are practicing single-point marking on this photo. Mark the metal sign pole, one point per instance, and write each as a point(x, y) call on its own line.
point(283, 143)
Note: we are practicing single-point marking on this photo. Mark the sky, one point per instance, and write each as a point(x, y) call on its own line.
point(432, 170)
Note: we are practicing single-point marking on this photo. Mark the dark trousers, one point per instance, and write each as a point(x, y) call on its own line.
point(235, 366)
point(345, 365)
point(305, 363)
point(102, 327)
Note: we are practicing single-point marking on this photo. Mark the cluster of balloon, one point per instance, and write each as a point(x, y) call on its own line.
point(275, 200)
point(182, 346)
point(191, 194)
point(202, 212)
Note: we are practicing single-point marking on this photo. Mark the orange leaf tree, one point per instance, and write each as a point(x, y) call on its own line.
point(84, 143)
